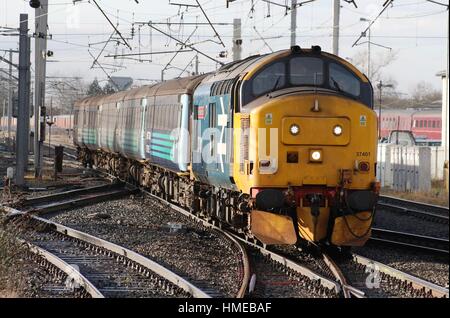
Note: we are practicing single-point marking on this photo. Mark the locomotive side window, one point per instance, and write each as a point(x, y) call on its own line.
point(274, 76)
point(306, 71)
point(343, 80)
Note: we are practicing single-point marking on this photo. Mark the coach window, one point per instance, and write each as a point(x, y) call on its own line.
point(434, 124)
point(343, 80)
point(271, 78)
point(306, 71)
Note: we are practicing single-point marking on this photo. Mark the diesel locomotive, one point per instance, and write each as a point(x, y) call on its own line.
point(280, 147)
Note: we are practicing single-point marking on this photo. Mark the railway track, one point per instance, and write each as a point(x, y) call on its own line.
point(80, 197)
point(72, 278)
point(397, 238)
point(377, 280)
point(109, 270)
point(314, 282)
point(74, 198)
point(336, 281)
point(434, 213)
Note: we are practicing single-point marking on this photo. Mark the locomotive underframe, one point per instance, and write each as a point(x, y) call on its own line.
point(226, 207)
point(229, 208)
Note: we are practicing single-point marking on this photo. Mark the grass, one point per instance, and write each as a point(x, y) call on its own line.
point(12, 281)
point(438, 195)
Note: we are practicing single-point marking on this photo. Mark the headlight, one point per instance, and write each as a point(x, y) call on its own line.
point(294, 129)
point(315, 155)
point(337, 130)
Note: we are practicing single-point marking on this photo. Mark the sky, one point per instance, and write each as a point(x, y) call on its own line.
point(415, 30)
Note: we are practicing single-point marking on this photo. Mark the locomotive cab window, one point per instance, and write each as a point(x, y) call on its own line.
point(343, 80)
point(306, 71)
point(271, 78)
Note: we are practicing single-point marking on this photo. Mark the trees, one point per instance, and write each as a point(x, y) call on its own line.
point(94, 89)
point(108, 89)
point(377, 64)
point(424, 93)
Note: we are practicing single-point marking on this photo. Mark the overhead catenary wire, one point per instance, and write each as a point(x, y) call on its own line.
point(146, 53)
point(114, 27)
point(187, 45)
point(386, 5)
point(212, 26)
point(260, 36)
point(175, 55)
point(104, 71)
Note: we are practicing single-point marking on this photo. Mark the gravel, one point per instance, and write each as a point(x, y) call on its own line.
point(108, 273)
point(273, 282)
point(428, 266)
point(73, 176)
point(25, 275)
point(154, 230)
point(308, 258)
point(398, 221)
point(372, 285)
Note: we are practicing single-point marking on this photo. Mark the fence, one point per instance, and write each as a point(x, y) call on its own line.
point(437, 163)
point(404, 168)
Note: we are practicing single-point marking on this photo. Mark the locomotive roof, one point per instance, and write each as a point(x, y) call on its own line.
point(171, 87)
point(252, 64)
point(248, 67)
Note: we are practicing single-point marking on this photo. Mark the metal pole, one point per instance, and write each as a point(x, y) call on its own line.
point(39, 82)
point(23, 118)
point(293, 22)
point(336, 16)
point(3, 109)
point(10, 101)
point(368, 57)
point(50, 128)
point(447, 92)
point(196, 65)
point(380, 87)
point(237, 40)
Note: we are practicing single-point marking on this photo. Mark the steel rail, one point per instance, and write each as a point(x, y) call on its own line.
point(347, 290)
point(39, 206)
point(62, 195)
point(70, 271)
point(122, 251)
point(68, 154)
point(419, 206)
point(416, 283)
point(243, 252)
point(411, 240)
point(419, 213)
point(274, 256)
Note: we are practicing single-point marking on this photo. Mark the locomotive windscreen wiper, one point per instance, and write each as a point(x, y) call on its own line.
point(336, 84)
point(276, 84)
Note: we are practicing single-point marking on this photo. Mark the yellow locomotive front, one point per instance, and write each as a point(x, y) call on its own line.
point(305, 149)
